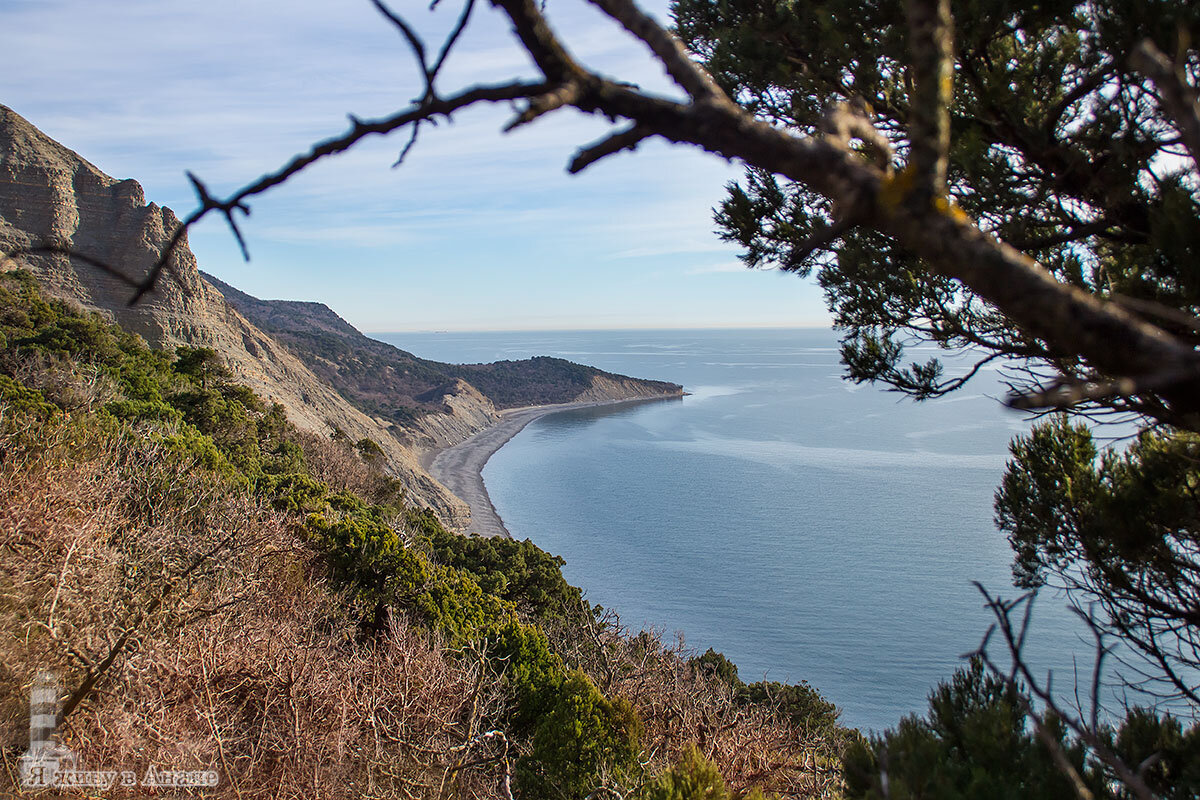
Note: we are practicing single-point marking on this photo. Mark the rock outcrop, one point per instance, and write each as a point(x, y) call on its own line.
point(49, 195)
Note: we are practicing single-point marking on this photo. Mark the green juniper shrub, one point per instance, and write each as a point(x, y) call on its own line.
point(453, 604)
point(800, 704)
point(368, 450)
point(716, 666)
point(583, 741)
point(531, 673)
point(1170, 754)
point(976, 742)
point(693, 778)
point(519, 572)
point(23, 400)
point(202, 364)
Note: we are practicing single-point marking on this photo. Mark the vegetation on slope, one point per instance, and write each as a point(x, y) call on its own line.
point(217, 589)
point(388, 382)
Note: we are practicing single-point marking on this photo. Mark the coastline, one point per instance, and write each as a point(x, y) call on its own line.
point(460, 468)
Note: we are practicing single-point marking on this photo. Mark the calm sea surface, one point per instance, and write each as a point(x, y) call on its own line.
point(808, 528)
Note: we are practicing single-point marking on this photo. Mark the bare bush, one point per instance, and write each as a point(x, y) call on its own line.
point(337, 464)
point(209, 640)
point(751, 744)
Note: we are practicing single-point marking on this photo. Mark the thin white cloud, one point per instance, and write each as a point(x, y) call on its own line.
point(715, 246)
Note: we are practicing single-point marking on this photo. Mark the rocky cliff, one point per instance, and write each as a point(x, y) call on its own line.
point(50, 195)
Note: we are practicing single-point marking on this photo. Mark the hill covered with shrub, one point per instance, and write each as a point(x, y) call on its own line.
point(388, 382)
point(217, 589)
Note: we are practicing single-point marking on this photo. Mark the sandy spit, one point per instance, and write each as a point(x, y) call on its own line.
point(460, 468)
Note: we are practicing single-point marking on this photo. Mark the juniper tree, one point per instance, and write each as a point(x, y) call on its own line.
point(1070, 137)
point(1056, 145)
point(1059, 145)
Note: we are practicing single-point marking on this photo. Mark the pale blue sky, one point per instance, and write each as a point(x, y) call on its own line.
point(477, 230)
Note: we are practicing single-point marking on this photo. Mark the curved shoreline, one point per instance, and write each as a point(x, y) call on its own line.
point(460, 468)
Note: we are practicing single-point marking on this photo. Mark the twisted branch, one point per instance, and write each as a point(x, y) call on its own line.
point(359, 129)
point(666, 47)
point(1014, 640)
point(627, 139)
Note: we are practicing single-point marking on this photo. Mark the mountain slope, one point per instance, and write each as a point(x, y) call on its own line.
point(50, 195)
point(417, 394)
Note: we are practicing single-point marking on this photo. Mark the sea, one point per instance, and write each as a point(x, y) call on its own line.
point(809, 528)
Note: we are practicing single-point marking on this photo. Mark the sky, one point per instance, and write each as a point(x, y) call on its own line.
point(477, 230)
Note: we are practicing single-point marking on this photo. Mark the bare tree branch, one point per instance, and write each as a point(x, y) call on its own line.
point(670, 51)
point(1152, 310)
point(358, 130)
point(226, 209)
point(451, 40)
point(65, 250)
point(1067, 392)
point(627, 139)
point(414, 41)
point(1089, 735)
point(556, 98)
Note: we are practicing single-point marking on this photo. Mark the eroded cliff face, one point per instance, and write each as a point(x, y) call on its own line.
point(464, 413)
point(605, 388)
point(49, 195)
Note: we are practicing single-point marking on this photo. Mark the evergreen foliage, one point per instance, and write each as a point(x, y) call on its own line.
point(978, 741)
point(1062, 150)
point(1057, 148)
point(582, 735)
point(519, 572)
point(1121, 528)
point(975, 742)
point(801, 704)
point(693, 778)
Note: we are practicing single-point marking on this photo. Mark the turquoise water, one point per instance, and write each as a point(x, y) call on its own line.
point(808, 528)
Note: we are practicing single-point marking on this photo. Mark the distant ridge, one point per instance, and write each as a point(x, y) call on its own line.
point(410, 392)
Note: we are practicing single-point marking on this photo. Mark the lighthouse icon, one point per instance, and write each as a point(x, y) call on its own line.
point(40, 765)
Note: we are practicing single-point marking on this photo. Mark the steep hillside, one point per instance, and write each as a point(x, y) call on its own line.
point(417, 394)
point(49, 194)
point(211, 591)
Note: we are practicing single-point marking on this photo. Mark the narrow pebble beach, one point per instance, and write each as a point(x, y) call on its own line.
point(460, 468)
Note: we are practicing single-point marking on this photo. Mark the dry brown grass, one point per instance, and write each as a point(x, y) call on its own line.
point(232, 655)
point(752, 745)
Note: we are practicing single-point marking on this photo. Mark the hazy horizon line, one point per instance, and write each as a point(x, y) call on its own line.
point(611, 329)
